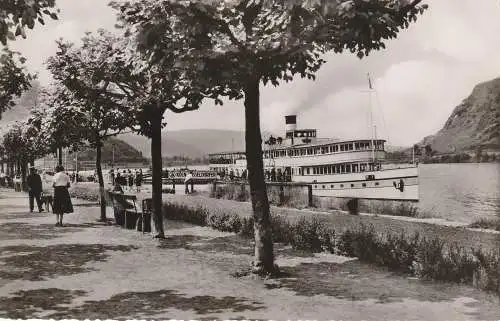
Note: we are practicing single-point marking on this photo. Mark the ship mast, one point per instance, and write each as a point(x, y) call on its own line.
point(372, 126)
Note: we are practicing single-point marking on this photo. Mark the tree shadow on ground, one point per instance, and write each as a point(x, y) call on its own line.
point(239, 245)
point(146, 304)
point(29, 304)
point(23, 215)
point(358, 281)
point(26, 231)
point(36, 263)
point(172, 242)
point(233, 244)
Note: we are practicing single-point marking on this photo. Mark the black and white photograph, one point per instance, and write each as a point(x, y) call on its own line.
point(250, 160)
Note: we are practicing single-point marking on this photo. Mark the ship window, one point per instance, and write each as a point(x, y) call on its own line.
point(352, 185)
point(331, 186)
point(323, 186)
point(350, 146)
point(376, 183)
point(341, 185)
point(348, 168)
point(364, 184)
point(315, 186)
point(307, 170)
point(341, 148)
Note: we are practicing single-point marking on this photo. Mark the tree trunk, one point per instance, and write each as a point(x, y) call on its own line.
point(59, 156)
point(101, 181)
point(264, 254)
point(157, 173)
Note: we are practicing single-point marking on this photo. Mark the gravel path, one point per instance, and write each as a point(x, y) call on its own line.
point(91, 270)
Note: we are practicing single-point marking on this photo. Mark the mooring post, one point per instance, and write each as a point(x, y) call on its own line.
point(353, 206)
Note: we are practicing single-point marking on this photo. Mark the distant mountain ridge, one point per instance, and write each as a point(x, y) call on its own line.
point(473, 124)
point(190, 142)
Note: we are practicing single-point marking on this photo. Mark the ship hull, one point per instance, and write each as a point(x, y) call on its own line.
point(393, 184)
point(376, 185)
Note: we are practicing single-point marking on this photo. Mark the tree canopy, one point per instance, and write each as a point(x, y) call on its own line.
point(90, 84)
point(271, 40)
point(15, 15)
point(14, 78)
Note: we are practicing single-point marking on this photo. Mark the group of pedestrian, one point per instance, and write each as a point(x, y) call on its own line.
point(61, 199)
point(126, 179)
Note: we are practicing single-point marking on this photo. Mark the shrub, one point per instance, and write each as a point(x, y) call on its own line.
point(247, 227)
point(487, 274)
point(197, 216)
point(493, 224)
point(85, 193)
point(311, 235)
point(224, 222)
point(399, 252)
point(282, 229)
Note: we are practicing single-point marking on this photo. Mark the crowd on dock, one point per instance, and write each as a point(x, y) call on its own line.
point(126, 179)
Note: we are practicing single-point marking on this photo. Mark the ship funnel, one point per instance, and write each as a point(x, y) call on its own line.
point(290, 123)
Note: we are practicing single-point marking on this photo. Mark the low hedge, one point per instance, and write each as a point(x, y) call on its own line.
point(413, 254)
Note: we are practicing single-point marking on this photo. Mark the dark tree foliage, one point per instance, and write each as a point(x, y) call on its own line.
point(14, 79)
point(15, 15)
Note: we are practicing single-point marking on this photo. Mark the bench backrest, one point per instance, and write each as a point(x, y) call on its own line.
point(123, 200)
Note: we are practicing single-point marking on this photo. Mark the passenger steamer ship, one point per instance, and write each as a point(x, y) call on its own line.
point(338, 168)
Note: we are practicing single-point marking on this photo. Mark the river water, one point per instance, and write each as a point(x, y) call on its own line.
point(460, 192)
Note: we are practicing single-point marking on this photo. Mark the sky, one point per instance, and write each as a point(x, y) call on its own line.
point(418, 79)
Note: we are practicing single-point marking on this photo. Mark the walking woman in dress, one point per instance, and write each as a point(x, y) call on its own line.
point(62, 200)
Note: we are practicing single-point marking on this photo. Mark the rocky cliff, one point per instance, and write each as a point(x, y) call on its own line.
point(475, 123)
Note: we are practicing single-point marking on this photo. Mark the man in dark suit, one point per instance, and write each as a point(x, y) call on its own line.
point(34, 182)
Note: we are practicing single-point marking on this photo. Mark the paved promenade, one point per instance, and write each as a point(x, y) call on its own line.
point(91, 270)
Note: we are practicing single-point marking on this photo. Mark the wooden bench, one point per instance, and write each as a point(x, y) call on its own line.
point(126, 213)
point(125, 209)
